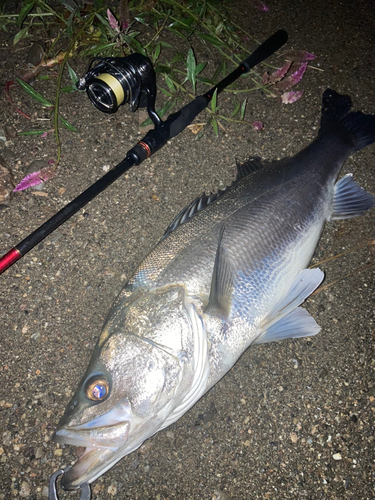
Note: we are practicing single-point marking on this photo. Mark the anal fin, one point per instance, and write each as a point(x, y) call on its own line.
point(350, 199)
point(287, 320)
point(297, 323)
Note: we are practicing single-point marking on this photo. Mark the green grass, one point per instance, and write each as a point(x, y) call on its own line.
point(146, 27)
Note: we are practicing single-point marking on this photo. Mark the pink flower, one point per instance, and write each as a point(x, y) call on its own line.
point(257, 125)
point(259, 5)
point(35, 178)
point(292, 96)
point(277, 75)
point(112, 21)
point(291, 80)
point(298, 56)
point(263, 7)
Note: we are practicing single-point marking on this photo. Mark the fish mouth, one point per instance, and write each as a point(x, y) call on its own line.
point(104, 446)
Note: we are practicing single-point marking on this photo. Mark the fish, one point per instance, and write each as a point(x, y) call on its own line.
point(230, 272)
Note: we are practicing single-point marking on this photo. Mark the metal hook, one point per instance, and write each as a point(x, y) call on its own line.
point(52, 492)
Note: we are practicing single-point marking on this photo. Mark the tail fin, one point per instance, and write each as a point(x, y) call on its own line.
point(357, 127)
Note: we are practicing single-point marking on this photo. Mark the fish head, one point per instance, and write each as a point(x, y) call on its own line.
point(129, 387)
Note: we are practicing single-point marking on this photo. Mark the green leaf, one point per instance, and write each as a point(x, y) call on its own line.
point(243, 108)
point(214, 102)
point(206, 80)
point(199, 68)
point(162, 68)
point(68, 5)
point(67, 124)
point(236, 109)
point(20, 35)
point(97, 49)
point(177, 32)
point(215, 127)
point(24, 12)
point(191, 67)
point(165, 44)
point(132, 42)
point(33, 132)
point(140, 19)
point(131, 35)
point(211, 39)
point(165, 92)
point(169, 82)
point(219, 28)
point(34, 94)
point(72, 74)
point(70, 88)
point(69, 24)
point(103, 20)
point(178, 57)
point(156, 52)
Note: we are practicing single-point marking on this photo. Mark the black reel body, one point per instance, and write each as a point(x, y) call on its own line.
point(114, 81)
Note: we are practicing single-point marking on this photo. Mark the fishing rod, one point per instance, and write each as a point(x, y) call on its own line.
point(115, 81)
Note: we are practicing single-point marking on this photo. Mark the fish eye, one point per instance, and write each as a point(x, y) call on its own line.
point(97, 389)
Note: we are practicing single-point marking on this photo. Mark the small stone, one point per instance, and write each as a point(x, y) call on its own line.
point(247, 443)
point(58, 452)
point(7, 183)
point(39, 452)
point(293, 437)
point(337, 456)
point(210, 413)
point(10, 132)
point(25, 490)
point(112, 490)
point(35, 166)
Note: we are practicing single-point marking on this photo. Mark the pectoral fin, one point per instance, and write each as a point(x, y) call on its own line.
point(286, 319)
point(222, 282)
point(350, 199)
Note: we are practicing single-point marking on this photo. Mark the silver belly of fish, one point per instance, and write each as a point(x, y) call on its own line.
point(231, 271)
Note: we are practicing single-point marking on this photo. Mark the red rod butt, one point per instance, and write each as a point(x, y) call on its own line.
point(9, 259)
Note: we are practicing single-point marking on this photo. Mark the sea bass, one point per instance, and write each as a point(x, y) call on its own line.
point(230, 271)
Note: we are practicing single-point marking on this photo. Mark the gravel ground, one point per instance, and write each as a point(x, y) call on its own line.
point(290, 420)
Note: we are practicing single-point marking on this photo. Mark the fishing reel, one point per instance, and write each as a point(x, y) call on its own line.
point(115, 81)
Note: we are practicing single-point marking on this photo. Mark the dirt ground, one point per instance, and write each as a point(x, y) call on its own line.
point(291, 420)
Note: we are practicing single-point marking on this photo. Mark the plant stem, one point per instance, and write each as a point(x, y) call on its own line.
point(158, 32)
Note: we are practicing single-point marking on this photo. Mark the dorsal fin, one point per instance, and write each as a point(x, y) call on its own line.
point(195, 206)
point(243, 169)
point(249, 166)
